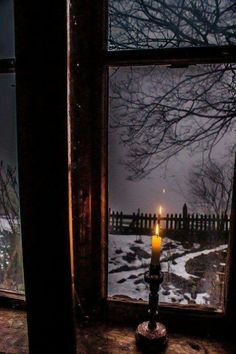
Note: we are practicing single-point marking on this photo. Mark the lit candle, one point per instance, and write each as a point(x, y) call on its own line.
point(160, 210)
point(156, 247)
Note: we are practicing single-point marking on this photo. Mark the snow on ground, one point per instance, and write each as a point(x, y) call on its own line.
point(4, 225)
point(129, 259)
point(179, 267)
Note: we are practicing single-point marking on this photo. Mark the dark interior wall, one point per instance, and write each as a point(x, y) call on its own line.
point(41, 81)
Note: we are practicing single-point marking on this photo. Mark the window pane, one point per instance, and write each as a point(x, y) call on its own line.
point(171, 145)
point(6, 29)
point(11, 272)
point(171, 23)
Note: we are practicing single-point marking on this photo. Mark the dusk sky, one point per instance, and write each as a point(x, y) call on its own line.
point(7, 87)
point(147, 194)
point(152, 109)
point(7, 119)
point(166, 185)
point(6, 29)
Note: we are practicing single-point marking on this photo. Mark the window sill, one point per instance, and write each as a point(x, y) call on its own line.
point(105, 337)
point(110, 338)
point(192, 320)
point(13, 331)
point(12, 299)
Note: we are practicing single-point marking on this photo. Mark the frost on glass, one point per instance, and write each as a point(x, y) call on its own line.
point(6, 29)
point(143, 24)
point(171, 152)
point(11, 269)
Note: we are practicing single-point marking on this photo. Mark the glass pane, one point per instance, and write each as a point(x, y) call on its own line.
point(6, 29)
point(11, 272)
point(171, 152)
point(170, 23)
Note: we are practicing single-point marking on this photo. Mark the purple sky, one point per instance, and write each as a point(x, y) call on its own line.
point(147, 194)
point(7, 86)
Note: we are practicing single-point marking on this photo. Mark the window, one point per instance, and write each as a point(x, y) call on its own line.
point(138, 55)
point(11, 267)
point(169, 129)
point(171, 145)
point(41, 85)
point(150, 24)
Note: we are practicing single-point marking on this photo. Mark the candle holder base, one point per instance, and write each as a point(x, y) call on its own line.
point(151, 339)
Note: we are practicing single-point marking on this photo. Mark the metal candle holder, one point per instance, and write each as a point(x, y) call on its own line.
point(152, 334)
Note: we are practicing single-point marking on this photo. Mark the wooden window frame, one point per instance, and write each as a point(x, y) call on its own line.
point(41, 101)
point(7, 66)
point(8, 297)
point(88, 80)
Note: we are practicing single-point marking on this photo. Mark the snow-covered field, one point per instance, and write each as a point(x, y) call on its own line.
point(192, 275)
point(4, 225)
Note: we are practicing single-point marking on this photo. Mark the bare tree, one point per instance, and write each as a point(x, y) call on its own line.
point(210, 186)
point(160, 111)
point(11, 276)
point(149, 24)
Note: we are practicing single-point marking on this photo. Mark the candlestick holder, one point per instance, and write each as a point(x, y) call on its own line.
point(152, 335)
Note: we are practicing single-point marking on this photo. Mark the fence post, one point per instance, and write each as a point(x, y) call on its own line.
point(185, 217)
point(171, 221)
point(113, 221)
point(201, 223)
point(145, 222)
point(196, 223)
point(205, 222)
point(137, 221)
point(121, 222)
point(117, 224)
point(141, 223)
point(150, 222)
point(154, 221)
point(167, 221)
point(109, 220)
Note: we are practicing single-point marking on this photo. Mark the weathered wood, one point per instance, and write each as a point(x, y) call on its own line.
point(7, 65)
point(12, 299)
point(88, 133)
point(103, 337)
point(230, 288)
point(143, 223)
point(113, 339)
point(173, 56)
point(13, 332)
point(41, 91)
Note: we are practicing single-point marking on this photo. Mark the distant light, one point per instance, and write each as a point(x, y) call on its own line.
point(163, 190)
point(157, 230)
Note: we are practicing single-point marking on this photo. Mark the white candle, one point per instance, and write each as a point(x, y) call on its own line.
point(156, 247)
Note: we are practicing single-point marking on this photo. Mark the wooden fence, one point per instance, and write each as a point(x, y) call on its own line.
point(140, 223)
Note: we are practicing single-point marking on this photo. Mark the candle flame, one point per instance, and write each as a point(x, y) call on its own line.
point(157, 230)
point(160, 209)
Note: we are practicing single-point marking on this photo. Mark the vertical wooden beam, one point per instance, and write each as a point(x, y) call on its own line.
point(41, 52)
point(89, 150)
point(231, 263)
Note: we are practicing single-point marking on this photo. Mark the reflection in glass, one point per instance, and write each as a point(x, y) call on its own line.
point(170, 23)
point(171, 152)
point(6, 29)
point(11, 268)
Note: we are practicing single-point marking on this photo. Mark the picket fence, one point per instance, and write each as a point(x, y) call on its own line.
point(143, 223)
